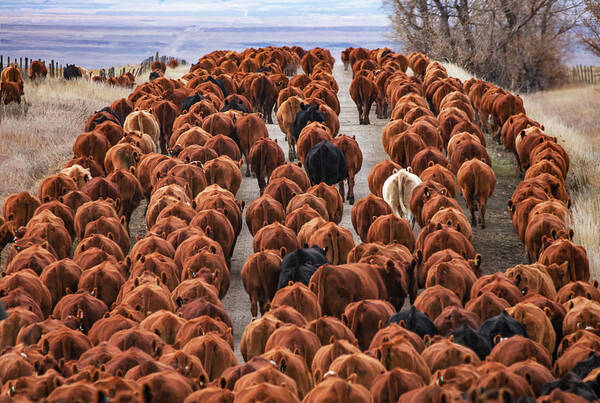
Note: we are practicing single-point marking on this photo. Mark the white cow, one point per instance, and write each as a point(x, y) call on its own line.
point(397, 190)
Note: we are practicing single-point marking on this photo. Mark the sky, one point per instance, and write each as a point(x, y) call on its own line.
point(101, 33)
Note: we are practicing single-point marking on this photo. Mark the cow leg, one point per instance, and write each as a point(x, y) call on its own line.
point(351, 187)
point(261, 183)
point(269, 111)
point(360, 113)
point(483, 119)
point(482, 206)
point(247, 168)
point(253, 305)
point(367, 111)
point(341, 184)
point(163, 144)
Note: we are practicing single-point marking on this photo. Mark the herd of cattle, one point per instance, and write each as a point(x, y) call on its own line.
point(11, 79)
point(96, 316)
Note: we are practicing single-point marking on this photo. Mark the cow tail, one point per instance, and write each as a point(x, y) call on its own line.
point(266, 291)
point(321, 291)
point(475, 191)
point(66, 348)
point(335, 248)
point(394, 197)
point(264, 160)
point(140, 122)
point(405, 199)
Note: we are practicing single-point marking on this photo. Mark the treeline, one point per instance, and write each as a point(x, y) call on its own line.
point(520, 45)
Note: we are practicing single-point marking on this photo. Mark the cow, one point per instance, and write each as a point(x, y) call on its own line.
point(71, 72)
point(9, 92)
point(363, 92)
point(397, 191)
point(326, 163)
point(299, 266)
point(306, 115)
point(265, 155)
point(477, 182)
point(354, 159)
point(12, 74)
point(260, 275)
point(37, 69)
point(264, 96)
point(365, 212)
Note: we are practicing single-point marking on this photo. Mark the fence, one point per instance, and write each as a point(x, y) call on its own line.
point(56, 69)
point(585, 75)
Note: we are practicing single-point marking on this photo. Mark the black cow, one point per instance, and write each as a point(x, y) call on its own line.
point(415, 321)
point(583, 368)
point(570, 383)
point(154, 75)
point(234, 105)
point(71, 71)
point(218, 83)
point(306, 114)
point(465, 335)
point(503, 325)
point(189, 101)
point(102, 117)
point(300, 265)
point(324, 162)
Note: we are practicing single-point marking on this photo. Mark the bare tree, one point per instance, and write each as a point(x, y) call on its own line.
point(591, 24)
point(517, 44)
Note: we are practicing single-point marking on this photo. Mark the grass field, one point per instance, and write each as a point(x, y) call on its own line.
point(37, 137)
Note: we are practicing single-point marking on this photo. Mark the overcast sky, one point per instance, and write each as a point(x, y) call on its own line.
point(99, 33)
point(234, 12)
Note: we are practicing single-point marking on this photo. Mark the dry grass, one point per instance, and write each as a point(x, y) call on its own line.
point(176, 72)
point(37, 139)
point(570, 114)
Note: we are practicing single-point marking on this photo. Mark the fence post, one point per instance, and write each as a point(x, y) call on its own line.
point(156, 56)
point(26, 63)
point(51, 68)
point(21, 63)
point(1, 63)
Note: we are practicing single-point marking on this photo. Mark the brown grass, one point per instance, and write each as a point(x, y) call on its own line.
point(37, 138)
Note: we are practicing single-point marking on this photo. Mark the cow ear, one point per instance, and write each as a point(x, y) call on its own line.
point(496, 339)
point(427, 340)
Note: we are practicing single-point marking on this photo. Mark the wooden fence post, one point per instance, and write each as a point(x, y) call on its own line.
point(1, 63)
point(21, 63)
point(156, 56)
point(26, 63)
